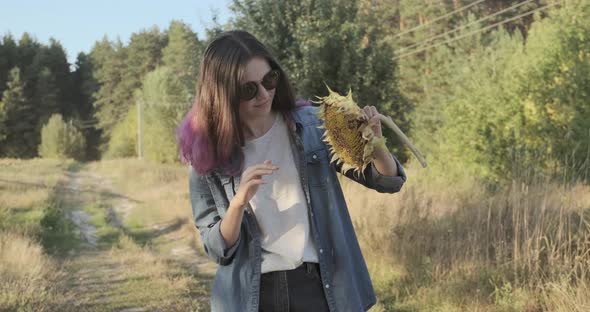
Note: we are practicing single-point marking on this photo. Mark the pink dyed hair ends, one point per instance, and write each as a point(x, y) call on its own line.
point(194, 145)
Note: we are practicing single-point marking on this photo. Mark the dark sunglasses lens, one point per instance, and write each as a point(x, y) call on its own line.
point(271, 80)
point(248, 91)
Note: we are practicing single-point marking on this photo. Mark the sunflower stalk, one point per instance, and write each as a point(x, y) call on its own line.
point(391, 125)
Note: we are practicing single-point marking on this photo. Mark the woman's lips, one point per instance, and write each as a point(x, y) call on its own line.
point(261, 105)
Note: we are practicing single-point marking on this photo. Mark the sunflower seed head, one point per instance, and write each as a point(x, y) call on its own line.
point(348, 132)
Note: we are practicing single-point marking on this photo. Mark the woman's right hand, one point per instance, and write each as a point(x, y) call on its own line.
point(250, 181)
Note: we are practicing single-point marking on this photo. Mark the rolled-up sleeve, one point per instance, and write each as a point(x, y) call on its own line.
point(208, 221)
point(372, 179)
point(388, 184)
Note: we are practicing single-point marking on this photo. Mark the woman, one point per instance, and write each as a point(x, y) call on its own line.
point(265, 198)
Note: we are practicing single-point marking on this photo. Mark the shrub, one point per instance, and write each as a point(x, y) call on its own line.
point(61, 139)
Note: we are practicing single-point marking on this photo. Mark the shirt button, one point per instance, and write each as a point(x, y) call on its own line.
point(321, 250)
point(314, 156)
point(327, 285)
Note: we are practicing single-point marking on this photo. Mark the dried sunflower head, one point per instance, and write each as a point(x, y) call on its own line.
point(348, 133)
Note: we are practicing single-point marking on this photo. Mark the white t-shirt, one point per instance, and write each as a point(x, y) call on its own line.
point(280, 205)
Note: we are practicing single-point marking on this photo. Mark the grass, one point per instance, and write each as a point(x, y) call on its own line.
point(459, 246)
point(127, 276)
point(438, 245)
point(31, 228)
point(29, 279)
point(160, 201)
point(137, 229)
point(45, 265)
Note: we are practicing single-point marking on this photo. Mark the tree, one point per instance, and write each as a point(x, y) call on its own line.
point(8, 59)
point(165, 98)
point(46, 97)
point(143, 54)
point(20, 126)
point(482, 130)
point(110, 100)
point(183, 52)
point(119, 71)
point(123, 142)
point(84, 86)
point(328, 42)
point(60, 139)
point(555, 90)
point(3, 128)
point(28, 47)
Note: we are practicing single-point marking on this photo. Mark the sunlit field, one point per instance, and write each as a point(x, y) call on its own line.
point(118, 234)
point(103, 236)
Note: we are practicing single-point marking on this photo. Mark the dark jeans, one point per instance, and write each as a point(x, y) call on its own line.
point(295, 290)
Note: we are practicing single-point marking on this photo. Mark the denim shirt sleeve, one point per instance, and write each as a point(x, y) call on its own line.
point(372, 179)
point(208, 221)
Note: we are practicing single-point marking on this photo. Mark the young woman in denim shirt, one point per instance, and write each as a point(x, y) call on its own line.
point(265, 197)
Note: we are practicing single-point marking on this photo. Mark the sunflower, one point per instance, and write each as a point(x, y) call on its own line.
point(349, 134)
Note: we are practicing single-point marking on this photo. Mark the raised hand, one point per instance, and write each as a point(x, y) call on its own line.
point(251, 179)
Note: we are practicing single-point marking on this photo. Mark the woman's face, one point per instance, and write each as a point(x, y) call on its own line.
point(261, 103)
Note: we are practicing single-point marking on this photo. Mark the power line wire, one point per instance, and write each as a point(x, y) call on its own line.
point(477, 31)
point(438, 18)
point(463, 26)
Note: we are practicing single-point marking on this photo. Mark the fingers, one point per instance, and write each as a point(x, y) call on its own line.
point(374, 120)
point(255, 182)
point(256, 174)
point(257, 171)
point(267, 165)
point(370, 111)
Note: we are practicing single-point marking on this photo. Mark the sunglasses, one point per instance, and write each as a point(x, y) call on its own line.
point(249, 90)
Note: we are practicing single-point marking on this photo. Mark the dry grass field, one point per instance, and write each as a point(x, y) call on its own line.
point(117, 236)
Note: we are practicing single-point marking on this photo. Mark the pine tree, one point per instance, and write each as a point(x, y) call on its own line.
point(57, 62)
point(110, 100)
point(46, 97)
point(28, 47)
point(119, 71)
point(3, 128)
point(143, 54)
point(20, 126)
point(8, 59)
point(84, 86)
point(183, 52)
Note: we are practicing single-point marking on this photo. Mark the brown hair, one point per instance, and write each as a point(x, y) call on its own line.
point(210, 136)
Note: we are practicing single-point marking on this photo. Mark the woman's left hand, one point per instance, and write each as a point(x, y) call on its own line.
point(383, 162)
point(372, 113)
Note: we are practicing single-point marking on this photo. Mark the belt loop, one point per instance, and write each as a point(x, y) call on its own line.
point(308, 267)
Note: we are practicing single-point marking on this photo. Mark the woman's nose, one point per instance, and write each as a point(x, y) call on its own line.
point(263, 94)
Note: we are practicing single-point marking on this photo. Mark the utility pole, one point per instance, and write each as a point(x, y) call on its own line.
point(139, 136)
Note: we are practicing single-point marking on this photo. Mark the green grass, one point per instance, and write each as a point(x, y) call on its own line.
point(32, 231)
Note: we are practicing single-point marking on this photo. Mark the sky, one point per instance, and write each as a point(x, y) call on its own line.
point(78, 24)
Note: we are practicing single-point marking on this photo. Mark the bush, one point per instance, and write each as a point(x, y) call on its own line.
point(60, 139)
point(123, 142)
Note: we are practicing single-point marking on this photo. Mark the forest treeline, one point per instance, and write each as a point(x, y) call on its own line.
point(498, 89)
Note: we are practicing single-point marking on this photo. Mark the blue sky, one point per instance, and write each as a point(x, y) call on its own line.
point(78, 24)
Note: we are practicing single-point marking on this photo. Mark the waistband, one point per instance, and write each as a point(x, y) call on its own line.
point(308, 267)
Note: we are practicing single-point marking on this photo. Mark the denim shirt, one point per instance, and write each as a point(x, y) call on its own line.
point(346, 281)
